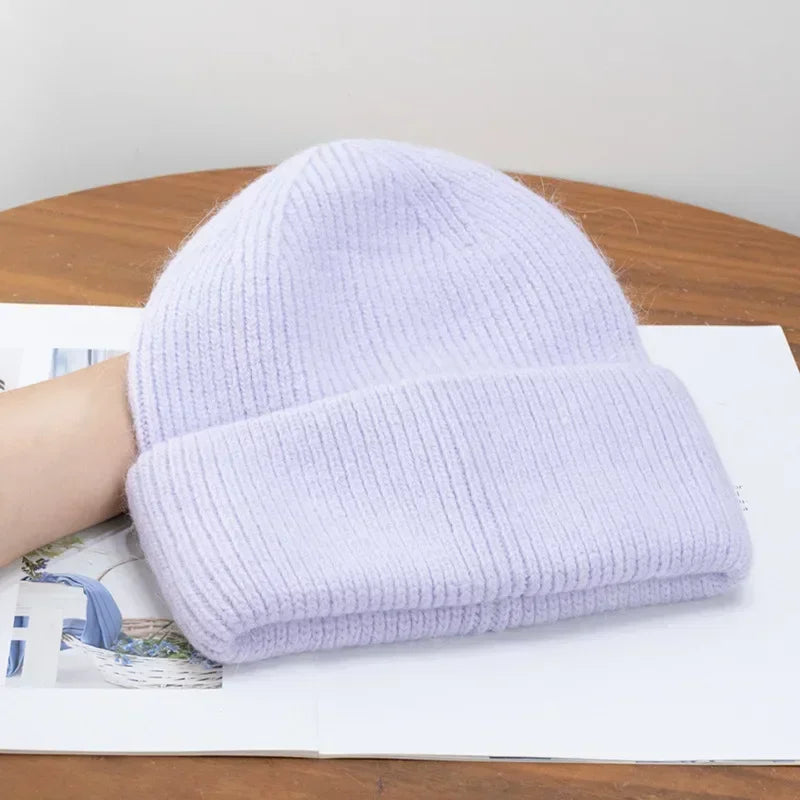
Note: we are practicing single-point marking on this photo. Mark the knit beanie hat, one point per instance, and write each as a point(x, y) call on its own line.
point(388, 393)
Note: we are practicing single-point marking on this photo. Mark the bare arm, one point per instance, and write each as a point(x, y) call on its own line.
point(65, 447)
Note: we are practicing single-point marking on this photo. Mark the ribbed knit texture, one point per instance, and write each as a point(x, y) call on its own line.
point(388, 393)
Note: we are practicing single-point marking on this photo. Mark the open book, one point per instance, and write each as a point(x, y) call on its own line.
point(92, 662)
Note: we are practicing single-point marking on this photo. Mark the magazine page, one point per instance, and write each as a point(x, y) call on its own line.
point(704, 681)
point(82, 621)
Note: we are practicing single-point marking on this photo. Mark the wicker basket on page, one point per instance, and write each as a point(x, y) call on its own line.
point(142, 672)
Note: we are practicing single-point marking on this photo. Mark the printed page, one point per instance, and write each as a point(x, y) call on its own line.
point(70, 686)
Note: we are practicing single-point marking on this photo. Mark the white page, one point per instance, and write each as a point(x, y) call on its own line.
point(712, 680)
point(709, 680)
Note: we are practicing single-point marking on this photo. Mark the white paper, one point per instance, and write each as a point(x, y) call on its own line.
point(712, 680)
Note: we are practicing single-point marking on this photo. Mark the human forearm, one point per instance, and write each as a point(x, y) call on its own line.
point(65, 447)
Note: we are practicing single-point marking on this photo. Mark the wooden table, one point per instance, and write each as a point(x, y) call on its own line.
point(679, 264)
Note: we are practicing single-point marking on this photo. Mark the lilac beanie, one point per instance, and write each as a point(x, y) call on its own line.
point(387, 393)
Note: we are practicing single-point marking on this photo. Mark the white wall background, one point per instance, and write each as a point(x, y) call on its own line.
point(698, 100)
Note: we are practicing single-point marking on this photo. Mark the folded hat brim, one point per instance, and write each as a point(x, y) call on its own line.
point(456, 505)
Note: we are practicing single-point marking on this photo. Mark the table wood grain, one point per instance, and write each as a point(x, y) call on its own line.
point(677, 263)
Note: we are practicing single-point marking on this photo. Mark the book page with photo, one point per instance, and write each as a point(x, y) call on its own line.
point(82, 618)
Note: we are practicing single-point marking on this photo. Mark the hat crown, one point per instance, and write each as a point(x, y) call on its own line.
point(361, 263)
